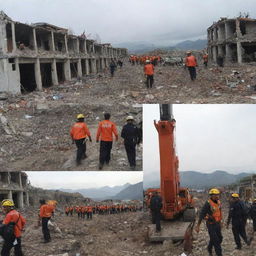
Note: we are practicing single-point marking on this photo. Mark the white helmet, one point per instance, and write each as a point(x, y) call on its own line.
point(129, 118)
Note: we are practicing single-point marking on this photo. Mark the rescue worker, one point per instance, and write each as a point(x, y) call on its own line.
point(149, 73)
point(45, 214)
point(12, 216)
point(205, 59)
point(252, 214)
point(130, 134)
point(105, 132)
point(237, 214)
point(112, 67)
point(79, 132)
point(89, 212)
point(212, 213)
point(155, 207)
point(191, 64)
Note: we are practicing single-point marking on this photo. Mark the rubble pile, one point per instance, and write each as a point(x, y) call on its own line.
point(113, 234)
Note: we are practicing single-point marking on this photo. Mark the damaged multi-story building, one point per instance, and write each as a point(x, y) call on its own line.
point(14, 185)
point(41, 55)
point(247, 187)
point(233, 40)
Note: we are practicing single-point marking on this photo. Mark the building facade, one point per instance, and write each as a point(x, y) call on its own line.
point(234, 40)
point(14, 185)
point(37, 56)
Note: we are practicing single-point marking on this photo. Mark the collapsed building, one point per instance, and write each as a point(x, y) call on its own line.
point(247, 187)
point(14, 185)
point(37, 56)
point(234, 40)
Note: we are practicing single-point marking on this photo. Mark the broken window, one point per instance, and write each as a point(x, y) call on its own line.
point(83, 67)
point(60, 71)
point(46, 74)
point(9, 37)
point(242, 27)
point(249, 52)
point(59, 41)
point(81, 46)
point(73, 69)
point(24, 36)
point(27, 77)
point(43, 39)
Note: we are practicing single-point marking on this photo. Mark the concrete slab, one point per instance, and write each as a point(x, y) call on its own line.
point(170, 231)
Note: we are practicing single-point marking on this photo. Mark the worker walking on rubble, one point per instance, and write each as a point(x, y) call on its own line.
point(212, 213)
point(79, 132)
point(252, 214)
point(130, 134)
point(205, 59)
point(155, 207)
point(238, 215)
point(45, 214)
point(112, 67)
point(11, 229)
point(105, 132)
point(149, 73)
point(191, 64)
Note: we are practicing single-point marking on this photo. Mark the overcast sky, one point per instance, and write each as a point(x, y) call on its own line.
point(79, 180)
point(159, 22)
point(208, 137)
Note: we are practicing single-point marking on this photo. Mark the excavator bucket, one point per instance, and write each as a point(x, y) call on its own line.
point(171, 230)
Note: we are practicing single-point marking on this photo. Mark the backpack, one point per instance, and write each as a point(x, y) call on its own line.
point(156, 203)
point(7, 230)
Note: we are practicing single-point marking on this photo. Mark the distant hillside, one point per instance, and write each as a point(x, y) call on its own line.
point(194, 179)
point(198, 180)
point(99, 193)
point(133, 192)
point(192, 45)
point(143, 47)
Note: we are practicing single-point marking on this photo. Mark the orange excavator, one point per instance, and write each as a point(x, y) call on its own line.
point(177, 201)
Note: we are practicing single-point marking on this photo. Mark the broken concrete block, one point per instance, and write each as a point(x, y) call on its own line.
point(27, 134)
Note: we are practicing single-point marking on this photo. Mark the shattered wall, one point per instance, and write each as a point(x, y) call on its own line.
point(29, 55)
point(233, 40)
point(14, 185)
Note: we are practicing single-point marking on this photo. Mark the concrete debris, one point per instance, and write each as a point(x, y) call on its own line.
point(7, 126)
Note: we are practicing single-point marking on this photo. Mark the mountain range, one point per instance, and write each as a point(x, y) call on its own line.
point(198, 180)
point(123, 192)
point(143, 47)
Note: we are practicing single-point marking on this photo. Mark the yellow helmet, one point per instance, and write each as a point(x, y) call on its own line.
point(7, 202)
point(80, 116)
point(214, 191)
point(235, 195)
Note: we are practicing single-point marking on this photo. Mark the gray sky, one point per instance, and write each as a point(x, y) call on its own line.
point(77, 180)
point(160, 22)
point(208, 138)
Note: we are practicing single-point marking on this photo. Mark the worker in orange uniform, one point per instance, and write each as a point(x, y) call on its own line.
point(45, 214)
point(89, 212)
point(212, 213)
point(191, 64)
point(205, 60)
point(79, 133)
point(149, 73)
point(105, 132)
point(12, 218)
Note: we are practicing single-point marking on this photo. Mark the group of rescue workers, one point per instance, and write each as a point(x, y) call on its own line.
point(149, 62)
point(107, 129)
point(89, 210)
point(211, 212)
point(13, 224)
